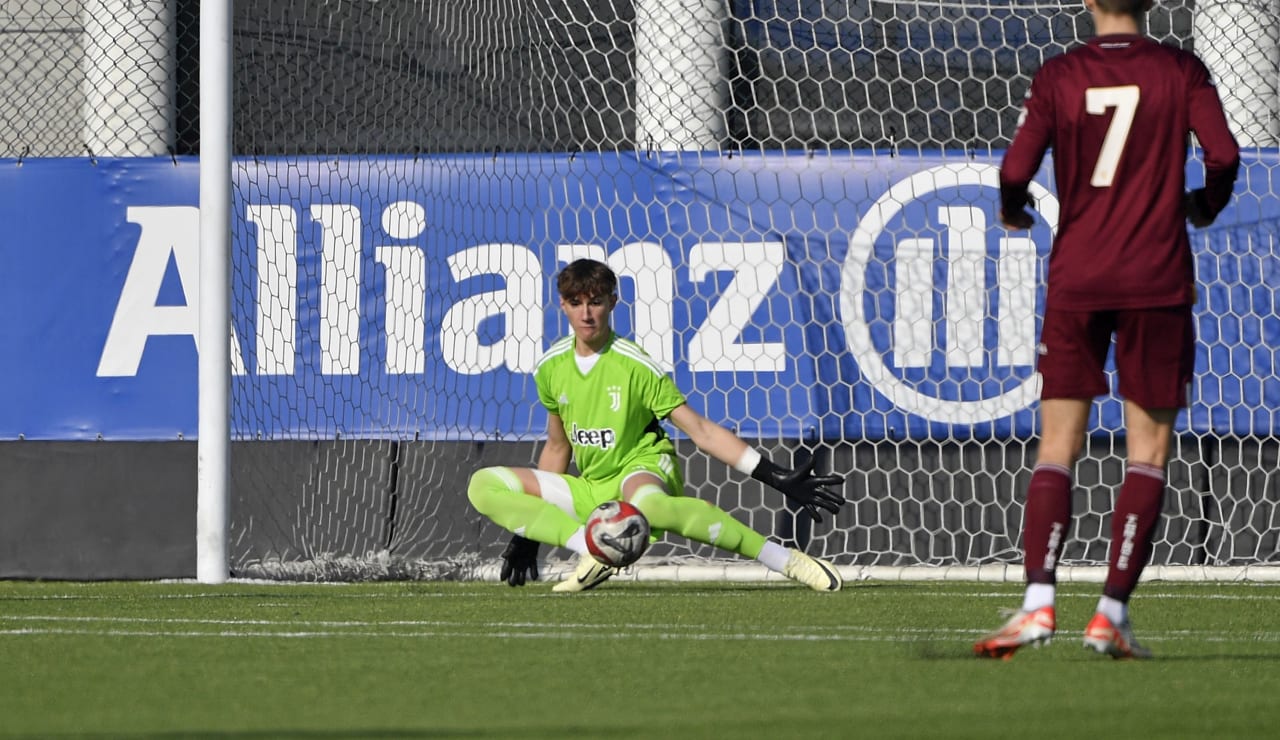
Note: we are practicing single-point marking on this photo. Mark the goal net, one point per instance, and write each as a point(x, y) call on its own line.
point(799, 197)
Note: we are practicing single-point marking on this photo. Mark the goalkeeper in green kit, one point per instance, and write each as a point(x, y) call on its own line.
point(605, 398)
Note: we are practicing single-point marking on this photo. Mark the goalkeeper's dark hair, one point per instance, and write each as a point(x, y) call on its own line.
point(587, 277)
point(1133, 8)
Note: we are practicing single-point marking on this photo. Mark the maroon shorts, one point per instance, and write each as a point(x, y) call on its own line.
point(1155, 354)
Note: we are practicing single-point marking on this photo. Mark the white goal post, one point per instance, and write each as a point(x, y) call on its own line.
point(213, 473)
point(799, 199)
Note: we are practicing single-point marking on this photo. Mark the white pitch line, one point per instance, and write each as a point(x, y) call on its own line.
point(610, 627)
point(1142, 595)
point(470, 635)
point(561, 635)
point(295, 629)
point(861, 589)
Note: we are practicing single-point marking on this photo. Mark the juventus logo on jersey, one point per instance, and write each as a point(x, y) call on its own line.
point(615, 397)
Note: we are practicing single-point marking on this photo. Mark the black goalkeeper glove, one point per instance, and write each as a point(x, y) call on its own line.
point(519, 561)
point(1197, 209)
point(802, 486)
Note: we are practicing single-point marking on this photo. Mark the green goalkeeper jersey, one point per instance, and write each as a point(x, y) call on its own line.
point(611, 413)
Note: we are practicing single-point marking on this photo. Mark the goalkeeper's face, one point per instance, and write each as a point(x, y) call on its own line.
point(589, 317)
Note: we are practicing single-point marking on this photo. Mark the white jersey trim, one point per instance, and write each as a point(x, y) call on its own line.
point(628, 348)
point(557, 348)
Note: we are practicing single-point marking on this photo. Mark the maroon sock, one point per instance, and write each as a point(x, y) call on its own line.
point(1045, 523)
point(1132, 525)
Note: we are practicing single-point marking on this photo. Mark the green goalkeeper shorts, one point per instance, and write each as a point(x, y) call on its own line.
point(588, 494)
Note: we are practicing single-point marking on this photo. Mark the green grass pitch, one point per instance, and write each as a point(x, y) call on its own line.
point(632, 659)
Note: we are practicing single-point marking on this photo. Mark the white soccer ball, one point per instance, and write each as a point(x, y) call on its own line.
point(617, 534)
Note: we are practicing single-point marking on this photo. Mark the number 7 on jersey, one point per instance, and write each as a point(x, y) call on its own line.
point(1124, 100)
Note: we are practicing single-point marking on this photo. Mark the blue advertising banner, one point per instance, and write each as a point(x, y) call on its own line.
point(841, 296)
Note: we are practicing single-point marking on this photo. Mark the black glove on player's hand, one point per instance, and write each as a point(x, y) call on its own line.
point(519, 561)
point(1197, 210)
point(803, 487)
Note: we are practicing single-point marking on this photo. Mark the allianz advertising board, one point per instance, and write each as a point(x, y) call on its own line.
point(833, 296)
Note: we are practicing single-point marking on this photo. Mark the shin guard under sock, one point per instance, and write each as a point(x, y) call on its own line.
point(1046, 520)
point(1132, 525)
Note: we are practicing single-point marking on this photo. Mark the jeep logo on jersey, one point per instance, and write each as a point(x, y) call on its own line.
point(945, 328)
point(602, 438)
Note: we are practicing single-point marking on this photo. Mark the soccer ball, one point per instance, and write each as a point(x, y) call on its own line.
point(617, 534)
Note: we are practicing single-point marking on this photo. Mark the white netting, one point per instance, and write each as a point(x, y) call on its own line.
point(881, 79)
point(410, 175)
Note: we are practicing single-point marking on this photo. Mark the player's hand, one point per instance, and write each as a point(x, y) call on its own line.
point(1020, 220)
point(813, 492)
point(519, 561)
point(1196, 210)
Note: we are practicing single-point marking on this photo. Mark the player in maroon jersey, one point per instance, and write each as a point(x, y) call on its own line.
point(1117, 113)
